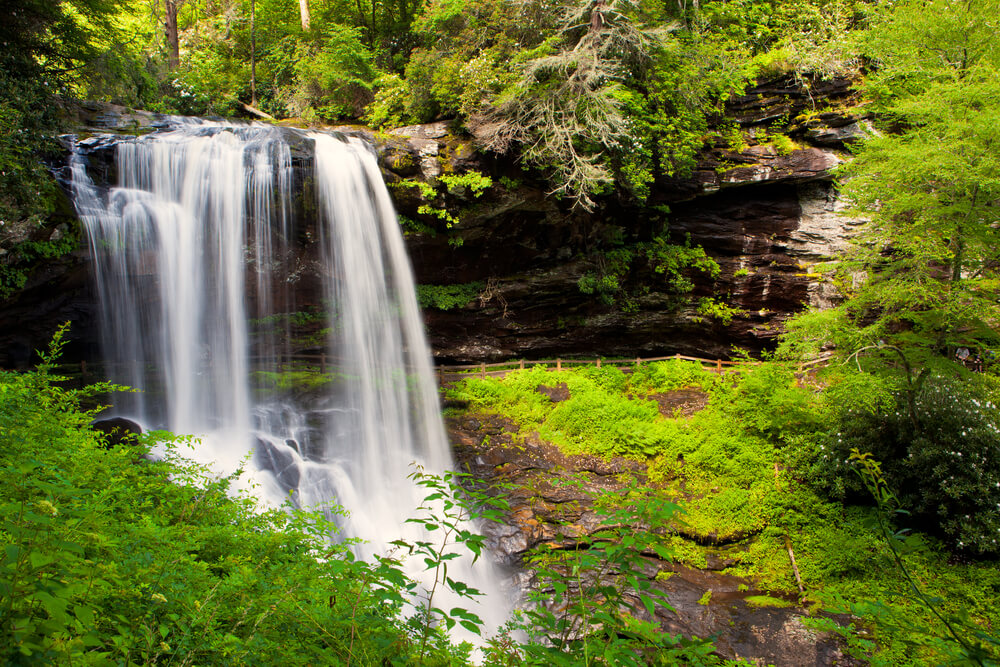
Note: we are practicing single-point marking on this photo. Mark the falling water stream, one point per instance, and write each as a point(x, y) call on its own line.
point(193, 243)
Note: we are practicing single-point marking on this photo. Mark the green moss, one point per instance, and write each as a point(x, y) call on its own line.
point(291, 380)
point(735, 468)
point(767, 601)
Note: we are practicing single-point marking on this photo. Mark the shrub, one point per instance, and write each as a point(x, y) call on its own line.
point(335, 80)
point(447, 297)
point(943, 462)
point(669, 375)
point(110, 558)
point(770, 403)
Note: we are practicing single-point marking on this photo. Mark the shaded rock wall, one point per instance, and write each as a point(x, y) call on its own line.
point(767, 217)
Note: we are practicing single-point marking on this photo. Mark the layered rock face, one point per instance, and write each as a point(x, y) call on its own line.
point(766, 213)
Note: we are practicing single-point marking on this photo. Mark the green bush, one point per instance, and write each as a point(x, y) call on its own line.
point(943, 463)
point(111, 558)
point(770, 403)
point(336, 79)
point(447, 297)
point(663, 376)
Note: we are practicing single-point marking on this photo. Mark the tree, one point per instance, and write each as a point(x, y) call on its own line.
point(47, 48)
point(931, 184)
point(304, 14)
point(172, 32)
point(566, 109)
point(926, 268)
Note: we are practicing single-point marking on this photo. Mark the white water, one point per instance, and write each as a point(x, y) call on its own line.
point(185, 249)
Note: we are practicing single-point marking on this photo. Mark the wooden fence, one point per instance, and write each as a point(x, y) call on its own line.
point(500, 369)
point(449, 373)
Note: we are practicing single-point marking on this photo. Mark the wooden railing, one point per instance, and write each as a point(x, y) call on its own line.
point(500, 369)
point(497, 369)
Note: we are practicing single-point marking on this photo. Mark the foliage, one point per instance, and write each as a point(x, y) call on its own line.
point(465, 58)
point(663, 376)
point(922, 275)
point(22, 258)
point(447, 512)
point(673, 264)
point(673, 261)
point(26, 190)
point(745, 468)
point(447, 297)
point(333, 78)
point(612, 268)
point(115, 557)
point(42, 43)
point(605, 600)
point(472, 181)
point(446, 199)
point(961, 640)
point(691, 76)
point(944, 464)
point(717, 310)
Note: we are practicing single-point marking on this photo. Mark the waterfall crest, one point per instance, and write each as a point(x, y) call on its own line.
point(193, 243)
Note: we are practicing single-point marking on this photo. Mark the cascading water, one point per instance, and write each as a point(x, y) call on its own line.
point(187, 249)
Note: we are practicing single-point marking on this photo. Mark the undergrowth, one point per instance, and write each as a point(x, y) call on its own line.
point(744, 468)
point(115, 558)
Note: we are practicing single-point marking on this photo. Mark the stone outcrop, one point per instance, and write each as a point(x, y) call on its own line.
point(768, 217)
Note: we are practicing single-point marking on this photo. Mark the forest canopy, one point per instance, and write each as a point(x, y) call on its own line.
point(602, 95)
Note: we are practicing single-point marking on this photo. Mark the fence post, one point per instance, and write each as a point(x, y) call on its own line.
point(522, 364)
point(482, 369)
point(598, 362)
point(718, 365)
point(322, 363)
point(558, 365)
point(638, 361)
point(677, 357)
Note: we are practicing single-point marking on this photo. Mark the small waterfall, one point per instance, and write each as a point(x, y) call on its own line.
point(195, 241)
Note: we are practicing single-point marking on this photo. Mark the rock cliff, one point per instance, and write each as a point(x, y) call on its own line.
point(766, 211)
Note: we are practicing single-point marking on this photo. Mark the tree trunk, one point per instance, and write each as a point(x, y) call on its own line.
point(173, 38)
point(253, 53)
point(304, 11)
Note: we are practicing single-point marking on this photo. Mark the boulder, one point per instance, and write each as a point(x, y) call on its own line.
point(117, 431)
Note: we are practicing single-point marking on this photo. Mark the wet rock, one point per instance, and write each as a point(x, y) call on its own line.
point(763, 635)
point(556, 394)
point(280, 461)
point(117, 431)
point(681, 402)
point(437, 130)
point(837, 136)
point(399, 158)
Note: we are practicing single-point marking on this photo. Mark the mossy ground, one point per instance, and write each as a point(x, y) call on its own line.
point(733, 466)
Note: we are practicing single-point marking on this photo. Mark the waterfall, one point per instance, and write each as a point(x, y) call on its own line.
point(193, 249)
